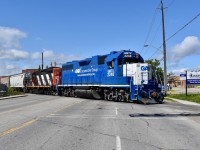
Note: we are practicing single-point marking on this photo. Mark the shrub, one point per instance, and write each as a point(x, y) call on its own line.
point(11, 91)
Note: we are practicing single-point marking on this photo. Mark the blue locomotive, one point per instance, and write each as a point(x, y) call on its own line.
point(119, 76)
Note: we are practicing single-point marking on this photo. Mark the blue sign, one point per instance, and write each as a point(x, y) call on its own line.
point(182, 75)
point(193, 81)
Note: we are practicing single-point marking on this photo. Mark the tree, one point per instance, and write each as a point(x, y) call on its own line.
point(157, 72)
point(172, 78)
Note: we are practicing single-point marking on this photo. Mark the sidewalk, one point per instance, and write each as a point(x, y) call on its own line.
point(15, 96)
point(184, 101)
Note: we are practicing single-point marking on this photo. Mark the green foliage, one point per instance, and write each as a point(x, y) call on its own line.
point(157, 71)
point(192, 97)
point(171, 78)
point(11, 91)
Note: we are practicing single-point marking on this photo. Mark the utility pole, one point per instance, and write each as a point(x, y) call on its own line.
point(164, 47)
point(42, 61)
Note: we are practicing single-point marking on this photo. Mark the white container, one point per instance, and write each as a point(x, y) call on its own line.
point(17, 81)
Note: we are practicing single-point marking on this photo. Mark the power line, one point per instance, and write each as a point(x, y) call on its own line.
point(183, 26)
point(176, 33)
point(158, 27)
point(150, 28)
point(158, 49)
point(155, 35)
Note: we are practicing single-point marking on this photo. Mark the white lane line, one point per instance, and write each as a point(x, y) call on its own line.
point(116, 112)
point(118, 143)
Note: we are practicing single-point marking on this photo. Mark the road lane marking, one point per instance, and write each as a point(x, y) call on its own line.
point(116, 111)
point(32, 121)
point(18, 127)
point(118, 143)
point(62, 108)
point(83, 117)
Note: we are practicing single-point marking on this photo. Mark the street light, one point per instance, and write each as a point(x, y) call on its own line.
point(146, 45)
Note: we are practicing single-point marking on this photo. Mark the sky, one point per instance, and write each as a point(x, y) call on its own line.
point(66, 30)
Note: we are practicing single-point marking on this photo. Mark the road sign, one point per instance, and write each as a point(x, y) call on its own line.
point(193, 78)
point(182, 77)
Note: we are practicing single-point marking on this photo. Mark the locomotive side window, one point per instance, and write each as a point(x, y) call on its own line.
point(110, 64)
point(67, 67)
point(101, 59)
point(84, 63)
point(120, 62)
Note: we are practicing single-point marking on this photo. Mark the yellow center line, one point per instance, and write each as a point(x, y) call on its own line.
point(32, 121)
point(17, 128)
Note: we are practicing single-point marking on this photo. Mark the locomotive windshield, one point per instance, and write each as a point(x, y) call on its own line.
point(130, 58)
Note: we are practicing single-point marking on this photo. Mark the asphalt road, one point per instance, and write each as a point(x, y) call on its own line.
point(60, 123)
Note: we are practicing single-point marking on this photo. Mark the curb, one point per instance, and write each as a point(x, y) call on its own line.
point(15, 96)
point(184, 101)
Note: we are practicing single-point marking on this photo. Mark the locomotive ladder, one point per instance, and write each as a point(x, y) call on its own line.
point(133, 86)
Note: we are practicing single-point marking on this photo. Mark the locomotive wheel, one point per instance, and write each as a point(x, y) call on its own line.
point(119, 98)
point(106, 97)
point(160, 99)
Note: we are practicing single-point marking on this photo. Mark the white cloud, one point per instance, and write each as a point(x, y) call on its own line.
point(9, 69)
point(13, 54)
point(188, 47)
point(9, 37)
point(50, 55)
point(13, 59)
point(10, 44)
point(181, 70)
point(36, 55)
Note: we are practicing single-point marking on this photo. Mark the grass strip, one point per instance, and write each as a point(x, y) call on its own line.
point(191, 97)
point(169, 99)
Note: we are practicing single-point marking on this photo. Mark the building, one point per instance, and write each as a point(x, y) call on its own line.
point(5, 80)
point(29, 70)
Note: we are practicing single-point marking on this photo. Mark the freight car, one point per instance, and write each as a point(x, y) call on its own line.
point(43, 82)
point(38, 82)
point(17, 81)
point(119, 76)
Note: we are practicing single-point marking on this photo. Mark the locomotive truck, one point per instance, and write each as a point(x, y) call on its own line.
point(118, 76)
